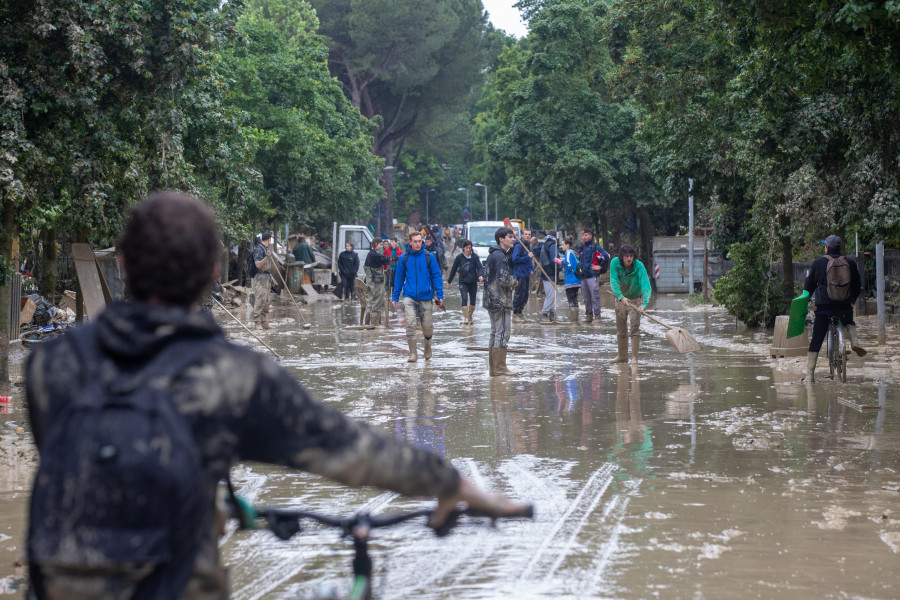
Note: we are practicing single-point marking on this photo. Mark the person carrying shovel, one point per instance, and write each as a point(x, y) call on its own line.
point(628, 280)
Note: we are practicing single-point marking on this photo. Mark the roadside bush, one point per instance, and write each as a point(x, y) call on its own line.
point(750, 291)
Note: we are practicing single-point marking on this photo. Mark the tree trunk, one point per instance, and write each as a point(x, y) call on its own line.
point(616, 232)
point(787, 260)
point(48, 281)
point(388, 182)
point(6, 245)
point(603, 234)
point(646, 235)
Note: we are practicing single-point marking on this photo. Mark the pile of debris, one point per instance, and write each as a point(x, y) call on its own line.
point(235, 295)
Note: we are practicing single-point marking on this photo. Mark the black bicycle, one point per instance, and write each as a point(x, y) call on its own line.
point(837, 350)
point(286, 524)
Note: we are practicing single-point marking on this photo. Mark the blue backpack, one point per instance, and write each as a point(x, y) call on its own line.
point(116, 488)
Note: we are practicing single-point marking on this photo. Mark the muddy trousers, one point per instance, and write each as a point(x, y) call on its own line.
point(820, 326)
point(572, 296)
point(467, 292)
point(501, 328)
point(520, 295)
point(418, 311)
point(590, 289)
point(623, 314)
point(262, 289)
point(549, 298)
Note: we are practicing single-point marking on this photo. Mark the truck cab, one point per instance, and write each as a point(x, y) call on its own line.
point(481, 234)
point(359, 236)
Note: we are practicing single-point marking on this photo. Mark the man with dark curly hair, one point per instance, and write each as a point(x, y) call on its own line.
point(237, 405)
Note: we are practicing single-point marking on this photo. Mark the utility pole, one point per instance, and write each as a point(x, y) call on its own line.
point(879, 291)
point(690, 237)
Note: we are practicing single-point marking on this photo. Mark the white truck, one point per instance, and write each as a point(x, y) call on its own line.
point(481, 233)
point(359, 236)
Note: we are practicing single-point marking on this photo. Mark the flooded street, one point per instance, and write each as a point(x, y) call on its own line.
point(708, 475)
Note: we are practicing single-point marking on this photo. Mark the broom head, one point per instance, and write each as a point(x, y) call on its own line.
point(682, 340)
point(797, 320)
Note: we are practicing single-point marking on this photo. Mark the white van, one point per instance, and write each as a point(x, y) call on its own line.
point(481, 233)
point(359, 236)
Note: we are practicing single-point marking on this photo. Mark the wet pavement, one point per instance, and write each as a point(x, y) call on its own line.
point(707, 475)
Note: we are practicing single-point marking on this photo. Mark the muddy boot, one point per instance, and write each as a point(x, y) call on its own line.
point(412, 350)
point(635, 345)
point(811, 358)
point(500, 363)
point(518, 318)
point(264, 322)
point(622, 355)
point(589, 318)
point(854, 341)
point(492, 359)
point(376, 319)
point(427, 352)
point(471, 312)
point(465, 313)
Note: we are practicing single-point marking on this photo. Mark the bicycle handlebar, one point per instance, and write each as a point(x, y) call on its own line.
point(286, 523)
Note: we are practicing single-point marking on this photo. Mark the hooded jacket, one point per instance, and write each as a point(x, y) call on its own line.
point(817, 284)
point(570, 262)
point(549, 252)
point(587, 256)
point(499, 281)
point(470, 268)
point(418, 277)
point(240, 406)
point(632, 283)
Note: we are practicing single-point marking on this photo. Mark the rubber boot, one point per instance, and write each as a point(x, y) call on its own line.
point(471, 312)
point(375, 319)
point(622, 355)
point(492, 359)
point(264, 322)
point(811, 358)
point(427, 352)
point(854, 341)
point(412, 350)
point(589, 318)
point(500, 363)
point(635, 346)
point(518, 318)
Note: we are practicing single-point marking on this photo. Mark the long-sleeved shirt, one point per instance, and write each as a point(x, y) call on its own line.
point(817, 284)
point(631, 283)
point(469, 267)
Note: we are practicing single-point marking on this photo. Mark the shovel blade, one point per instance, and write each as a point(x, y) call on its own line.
point(682, 340)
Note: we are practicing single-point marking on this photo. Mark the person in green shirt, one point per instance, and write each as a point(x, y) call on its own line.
point(628, 280)
point(303, 254)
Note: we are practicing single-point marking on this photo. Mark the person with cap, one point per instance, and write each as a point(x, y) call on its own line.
point(262, 281)
point(834, 284)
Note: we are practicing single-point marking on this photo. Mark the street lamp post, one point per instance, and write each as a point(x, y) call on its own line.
point(466, 190)
point(481, 185)
point(427, 214)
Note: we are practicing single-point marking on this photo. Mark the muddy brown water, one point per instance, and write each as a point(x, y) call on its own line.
point(708, 475)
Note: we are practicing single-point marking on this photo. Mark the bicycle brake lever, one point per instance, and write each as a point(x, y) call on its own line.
point(283, 526)
point(444, 528)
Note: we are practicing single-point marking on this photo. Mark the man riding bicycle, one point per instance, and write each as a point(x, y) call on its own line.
point(834, 284)
point(234, 403)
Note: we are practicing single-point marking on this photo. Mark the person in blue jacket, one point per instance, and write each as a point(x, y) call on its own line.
point(422, 286)
point(569, 263)
point(523, 267)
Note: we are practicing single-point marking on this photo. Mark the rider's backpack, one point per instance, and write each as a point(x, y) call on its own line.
point(251, 265)
point(115, 494)
point(837, 279)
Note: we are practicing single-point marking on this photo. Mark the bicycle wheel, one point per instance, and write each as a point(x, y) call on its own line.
point(841, 355)
point(830, 350)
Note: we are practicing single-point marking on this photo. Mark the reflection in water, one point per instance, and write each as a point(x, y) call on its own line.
point(419, 424)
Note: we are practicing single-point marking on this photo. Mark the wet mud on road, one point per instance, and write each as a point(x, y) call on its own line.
point(708, 475)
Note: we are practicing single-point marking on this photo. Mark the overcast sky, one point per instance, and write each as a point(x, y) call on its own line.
point(505, 17)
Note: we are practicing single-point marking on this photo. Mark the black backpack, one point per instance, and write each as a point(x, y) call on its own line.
point(252, 271)
point(116, 488)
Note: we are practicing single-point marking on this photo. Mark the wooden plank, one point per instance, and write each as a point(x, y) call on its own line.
point(308, 289)
point(27, 312)
point(89, 278)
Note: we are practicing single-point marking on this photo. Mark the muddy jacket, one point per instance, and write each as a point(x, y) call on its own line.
point(240, 406)
point(418, 277)
point(817, 284)
point(499, 281)
point(303, 253)
point(348, 263)
point(470, 268)
point(629, 284)
point(523, 266)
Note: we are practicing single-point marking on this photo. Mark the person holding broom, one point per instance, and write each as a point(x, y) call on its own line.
point(631, 286)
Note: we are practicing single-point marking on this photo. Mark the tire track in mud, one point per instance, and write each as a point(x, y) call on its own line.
point(558, 542)
point(614, 512)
